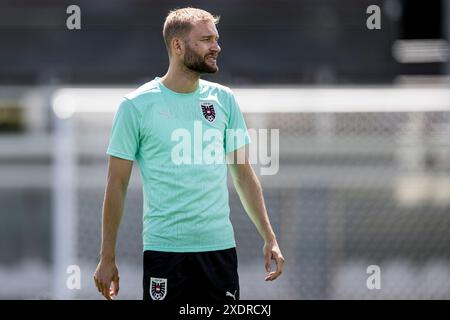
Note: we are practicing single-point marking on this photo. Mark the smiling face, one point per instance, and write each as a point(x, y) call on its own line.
point(201, 48)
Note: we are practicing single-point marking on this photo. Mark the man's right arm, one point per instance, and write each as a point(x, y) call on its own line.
point(119, 172)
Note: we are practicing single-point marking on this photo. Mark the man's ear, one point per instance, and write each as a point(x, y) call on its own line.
point(177, 46)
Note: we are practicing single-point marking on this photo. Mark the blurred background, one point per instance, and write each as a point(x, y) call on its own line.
point(364, 120)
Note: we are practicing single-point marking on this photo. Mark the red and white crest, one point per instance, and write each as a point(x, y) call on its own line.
point(158, 288)
point(208, 111)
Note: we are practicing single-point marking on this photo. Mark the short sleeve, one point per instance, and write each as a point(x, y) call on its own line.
point(236, 135)
point(124, 140)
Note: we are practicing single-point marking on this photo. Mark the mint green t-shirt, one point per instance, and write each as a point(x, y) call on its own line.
point(177, 140)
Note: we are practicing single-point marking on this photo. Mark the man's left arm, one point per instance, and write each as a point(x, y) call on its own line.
point(250, 193)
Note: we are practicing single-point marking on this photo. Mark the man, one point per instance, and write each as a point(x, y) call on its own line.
point(189, 245)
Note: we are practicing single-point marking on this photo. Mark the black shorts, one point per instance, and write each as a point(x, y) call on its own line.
point(192, 276)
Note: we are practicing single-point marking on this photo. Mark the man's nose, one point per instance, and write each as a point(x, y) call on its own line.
point(216, 48)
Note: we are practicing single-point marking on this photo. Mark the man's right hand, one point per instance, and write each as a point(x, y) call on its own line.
point(106, 278)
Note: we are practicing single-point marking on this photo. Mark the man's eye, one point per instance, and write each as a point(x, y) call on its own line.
point(209, 39)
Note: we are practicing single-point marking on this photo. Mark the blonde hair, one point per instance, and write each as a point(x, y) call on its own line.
point(180, 21)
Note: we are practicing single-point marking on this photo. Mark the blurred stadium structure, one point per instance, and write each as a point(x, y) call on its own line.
point(364, 123)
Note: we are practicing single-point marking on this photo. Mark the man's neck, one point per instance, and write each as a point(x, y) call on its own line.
point(181, 80)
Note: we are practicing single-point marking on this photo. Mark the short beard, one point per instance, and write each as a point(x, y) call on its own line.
point(196, 63)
